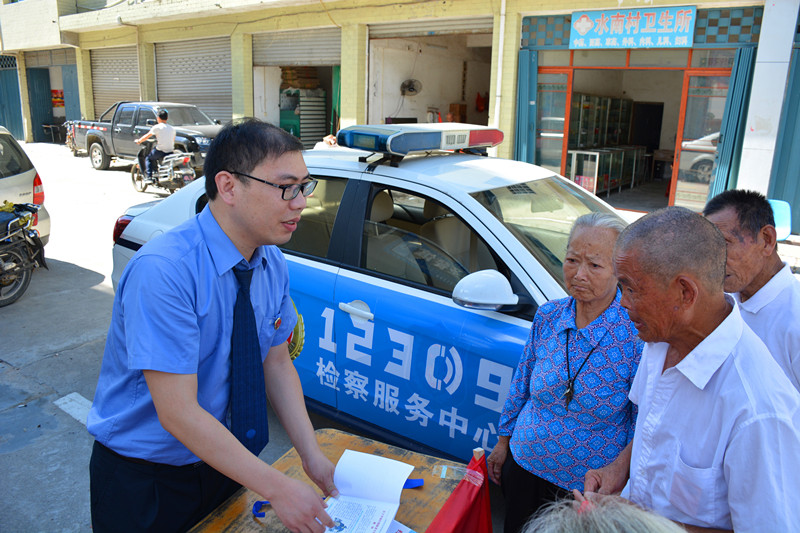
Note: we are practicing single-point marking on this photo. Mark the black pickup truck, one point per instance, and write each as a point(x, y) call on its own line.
point(113, 135)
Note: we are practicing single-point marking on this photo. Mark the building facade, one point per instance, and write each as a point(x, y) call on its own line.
point(696, 96)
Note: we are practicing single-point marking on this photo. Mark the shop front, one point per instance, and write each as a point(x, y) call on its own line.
point(115, 77)
point(296, 81)
point(197, 72)
point(642, 106)
point(10, 110)
point(435, 70)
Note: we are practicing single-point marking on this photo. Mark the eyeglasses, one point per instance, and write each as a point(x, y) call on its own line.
point(288, 192)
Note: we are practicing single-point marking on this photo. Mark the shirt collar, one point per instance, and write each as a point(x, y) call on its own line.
point(700, 365)
point(771, 289)
point(223, 252)
point(566, 320)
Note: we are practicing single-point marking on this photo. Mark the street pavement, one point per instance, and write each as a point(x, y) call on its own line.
point(51, 348)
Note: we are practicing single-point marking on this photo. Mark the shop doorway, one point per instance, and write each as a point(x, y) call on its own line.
point(436, 78)
point(646, 124)
point(303, 100)
point(642, 132)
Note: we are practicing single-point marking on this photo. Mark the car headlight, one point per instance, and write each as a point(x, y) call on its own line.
point(203, 142)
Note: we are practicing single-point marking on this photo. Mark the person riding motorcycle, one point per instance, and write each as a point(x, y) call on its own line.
point(165, 143)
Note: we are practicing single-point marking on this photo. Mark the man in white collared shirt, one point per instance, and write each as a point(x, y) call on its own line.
point(717, 444)
point(767, 292)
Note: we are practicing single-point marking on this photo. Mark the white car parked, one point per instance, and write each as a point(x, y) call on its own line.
point(20, 183)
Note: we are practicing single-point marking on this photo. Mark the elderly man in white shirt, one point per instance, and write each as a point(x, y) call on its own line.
point(717, 440)
point(767, 292)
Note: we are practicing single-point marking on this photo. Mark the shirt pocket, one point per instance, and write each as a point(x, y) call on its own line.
point(267, 333)
point(697, 492)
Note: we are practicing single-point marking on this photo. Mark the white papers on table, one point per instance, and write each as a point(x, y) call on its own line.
point(397, 527)
point(369, 492)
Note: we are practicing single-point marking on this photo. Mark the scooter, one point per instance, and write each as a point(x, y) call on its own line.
point(21, 250)
point(70, 138)
point(172, 173)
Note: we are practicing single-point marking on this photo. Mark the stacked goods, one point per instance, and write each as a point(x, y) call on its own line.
point(299, 78)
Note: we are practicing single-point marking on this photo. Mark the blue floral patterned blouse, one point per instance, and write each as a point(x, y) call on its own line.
point(546, 439)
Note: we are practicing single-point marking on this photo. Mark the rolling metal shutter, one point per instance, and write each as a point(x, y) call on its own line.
point(318, 47)
point(196, 72)
point(416, 28)
point(115, 76)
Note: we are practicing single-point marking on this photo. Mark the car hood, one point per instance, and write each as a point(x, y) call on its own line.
point(210, 130)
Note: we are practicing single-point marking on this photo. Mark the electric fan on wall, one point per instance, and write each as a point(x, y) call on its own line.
point(410, 87)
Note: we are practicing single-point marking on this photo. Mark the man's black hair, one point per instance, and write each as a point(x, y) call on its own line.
point(752, 209)
point(244, 144)
point(163, 114)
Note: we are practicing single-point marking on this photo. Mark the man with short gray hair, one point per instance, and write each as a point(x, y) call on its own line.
point(763, 286)
point(717, 444)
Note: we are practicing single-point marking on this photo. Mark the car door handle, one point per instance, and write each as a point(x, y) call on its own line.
point(357, 308)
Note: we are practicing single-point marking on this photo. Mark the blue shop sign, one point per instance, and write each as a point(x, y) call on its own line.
point(657, 27)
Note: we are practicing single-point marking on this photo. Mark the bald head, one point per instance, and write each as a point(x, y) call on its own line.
point(674, 241)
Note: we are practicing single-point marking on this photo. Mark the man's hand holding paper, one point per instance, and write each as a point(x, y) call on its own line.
point(370, 487)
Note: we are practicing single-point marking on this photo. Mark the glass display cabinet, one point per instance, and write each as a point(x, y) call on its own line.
point(615, 168)
point(618, 124)
point(584, 130)
point(590, 169)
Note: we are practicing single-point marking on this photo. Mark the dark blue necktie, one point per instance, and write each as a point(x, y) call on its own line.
point(248, 395)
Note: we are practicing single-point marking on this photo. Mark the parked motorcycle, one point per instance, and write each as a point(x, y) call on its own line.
point(70, 126)
point(174, 171)
point(21, 250)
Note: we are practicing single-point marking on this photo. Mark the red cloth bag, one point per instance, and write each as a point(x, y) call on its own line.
point(468, 509)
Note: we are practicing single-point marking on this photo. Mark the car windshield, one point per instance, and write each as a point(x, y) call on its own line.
point(540, 214)
point(188, 116)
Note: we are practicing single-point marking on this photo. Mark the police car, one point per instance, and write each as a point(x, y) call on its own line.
point(416, 270)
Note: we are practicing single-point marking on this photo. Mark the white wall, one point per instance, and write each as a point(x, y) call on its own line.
point(767, 94)
point(598, 82)
point(439, 64)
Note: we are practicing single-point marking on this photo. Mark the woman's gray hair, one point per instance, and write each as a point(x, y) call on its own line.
point(607, 515)
point(597, 220)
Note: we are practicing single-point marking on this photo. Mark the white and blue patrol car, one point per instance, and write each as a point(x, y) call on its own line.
point(417, 268)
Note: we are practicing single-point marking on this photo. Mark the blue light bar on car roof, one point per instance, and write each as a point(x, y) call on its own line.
point(404, 139)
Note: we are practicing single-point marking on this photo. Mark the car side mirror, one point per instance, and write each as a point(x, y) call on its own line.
point(487, 290)
point(150, 122)
point(217, 122)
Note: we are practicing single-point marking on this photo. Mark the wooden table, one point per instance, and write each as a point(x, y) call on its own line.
point(418, 506)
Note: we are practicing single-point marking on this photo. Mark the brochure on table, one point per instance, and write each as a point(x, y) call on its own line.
point(369, 492)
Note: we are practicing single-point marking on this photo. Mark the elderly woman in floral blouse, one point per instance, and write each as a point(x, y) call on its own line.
point(568, 409)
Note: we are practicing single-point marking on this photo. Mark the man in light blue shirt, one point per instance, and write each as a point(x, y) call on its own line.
point(164, 456)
